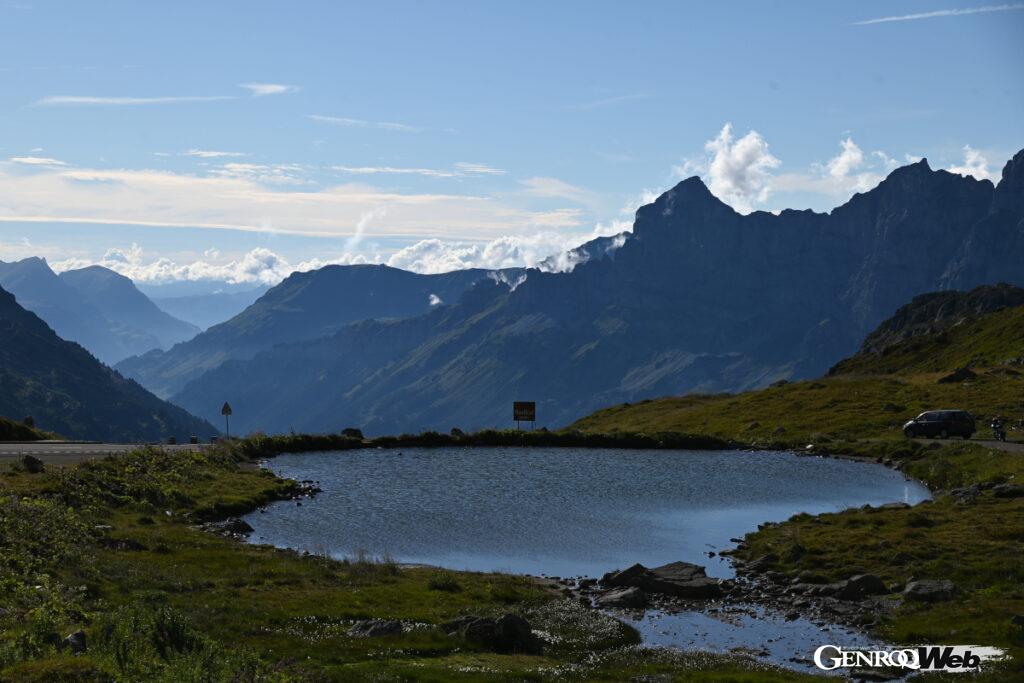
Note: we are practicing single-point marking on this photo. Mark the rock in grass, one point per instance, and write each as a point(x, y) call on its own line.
point(75, 642)
point(930, 590)
point(374, 628)
point(861, 586)
point(629, 598)
point(1008, 491)
point(507, 634)
point(32, 464)
point(964, 374)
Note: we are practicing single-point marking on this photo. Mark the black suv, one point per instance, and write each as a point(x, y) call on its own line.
point(941, 423)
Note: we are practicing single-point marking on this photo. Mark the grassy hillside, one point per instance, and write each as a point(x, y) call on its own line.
point(11, 430)
point(864, 396)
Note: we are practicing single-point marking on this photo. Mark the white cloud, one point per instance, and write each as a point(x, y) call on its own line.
point(548, 249)
point(264, 89)
point(435, 300)
point(974, 164)
point(361, 123)
point(849, 159)
point(37, 161)
point(943, 13)
point(259, 265)
point(841, 176)
point(255, 197)
point(58, 100)
point(738, 171)
point(210, 154)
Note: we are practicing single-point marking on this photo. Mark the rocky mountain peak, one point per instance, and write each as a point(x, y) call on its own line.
point(1009, 194)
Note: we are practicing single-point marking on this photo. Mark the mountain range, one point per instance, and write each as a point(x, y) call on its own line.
point(698, 298)
point(305, 306)
point(94, 306)
point(66, 390)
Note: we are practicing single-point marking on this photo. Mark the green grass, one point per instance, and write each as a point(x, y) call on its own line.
point(798, 413)
point(993, 340)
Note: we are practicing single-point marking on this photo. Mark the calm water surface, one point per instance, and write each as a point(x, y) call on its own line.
point(558, 511)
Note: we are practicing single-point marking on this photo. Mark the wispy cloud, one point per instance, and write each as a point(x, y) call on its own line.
point(211, 154)
point(555, 188)
point(606, 102)
point(90, 100)
point(361, 123)
point(38, 161)
point(469, 168)
point(260, 198)
point(393, 170)
point(460, 169)
point(263, 89)
point(943, 13)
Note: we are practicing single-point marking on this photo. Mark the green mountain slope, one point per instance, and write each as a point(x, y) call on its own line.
point(867, 395)
point(66, 390)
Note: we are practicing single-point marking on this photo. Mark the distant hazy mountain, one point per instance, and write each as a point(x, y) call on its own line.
point(304, 306)
point(698, 298)
point(203, 303)
point(121, 302)
point(66, 390)
point(95, 307)
point(207, 310)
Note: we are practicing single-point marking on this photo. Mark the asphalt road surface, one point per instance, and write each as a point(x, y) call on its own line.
point(63, 452)
point(1010, 446)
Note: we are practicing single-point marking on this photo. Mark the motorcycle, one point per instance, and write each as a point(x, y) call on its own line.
point(998, 433)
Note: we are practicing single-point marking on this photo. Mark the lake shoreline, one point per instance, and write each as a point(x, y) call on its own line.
point(738, 602)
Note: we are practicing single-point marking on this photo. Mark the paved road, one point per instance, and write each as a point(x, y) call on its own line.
point(1010, 446)
point(58, 452)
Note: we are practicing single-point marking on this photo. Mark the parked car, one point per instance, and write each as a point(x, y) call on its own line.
point(941, 423)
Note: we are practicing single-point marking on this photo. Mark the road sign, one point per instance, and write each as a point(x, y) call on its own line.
point(226, 412)
point(524, 411)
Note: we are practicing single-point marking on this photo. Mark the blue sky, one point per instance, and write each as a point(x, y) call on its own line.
point(243, 140)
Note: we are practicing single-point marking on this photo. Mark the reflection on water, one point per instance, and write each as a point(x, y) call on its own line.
point(765, 635)
point(558, 511)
